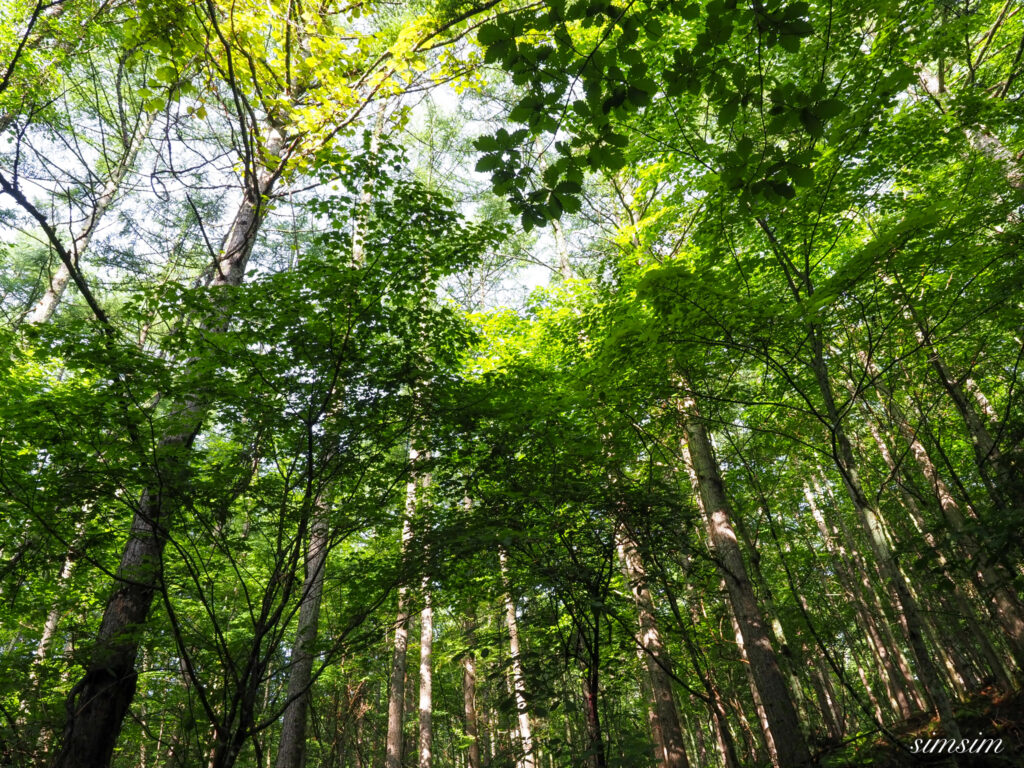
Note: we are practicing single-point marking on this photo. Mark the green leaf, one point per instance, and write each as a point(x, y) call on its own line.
point(166, 74)
point(728, 111)
point(829, 108)
point(790, 42)
point(802, 175)
point(489, 163)
point(811, 123)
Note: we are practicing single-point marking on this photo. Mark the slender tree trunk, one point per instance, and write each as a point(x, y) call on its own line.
point(825, 694)
point(905, 604)
point(487, 733)
point(703, 758)
point(595, 750)
point(724, 740)
point(750, 742)
point(358, 726)
point(469, 702)
point(657, 740)
point(518, 679)
point(871, 696)
point(1003, 605)
point(787, 661)
point(53, 615)
point(716, 703)
point(892, 673)
point(983, 402)
point(1006, 488)
point(98, 703)
point(762, 715)
point(963, 603)
point(782, 723)
point(291, 749)
point(395, 743)
point(58, 283)
point(665, 729)
point(426, 682)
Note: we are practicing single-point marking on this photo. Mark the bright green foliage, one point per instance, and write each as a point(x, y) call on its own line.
point(796, 224)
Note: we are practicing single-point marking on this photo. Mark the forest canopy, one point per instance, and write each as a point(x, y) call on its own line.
point(650, 370)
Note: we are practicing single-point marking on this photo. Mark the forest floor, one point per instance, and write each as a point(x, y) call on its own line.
point(987, 716)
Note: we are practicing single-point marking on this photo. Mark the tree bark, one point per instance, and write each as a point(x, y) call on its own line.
point(98, 703)
point(826, 696)
point(291, 749)
point(665, 728)
point(899, 689)
point(595, 749)
point(395, 742)
point(469, 703)
point(426, 681)
point(961, 600)
point(1006, 489)
point(1002, 604)
point(43, 309)
point(904, 602)
point(782, 723)
point(518, 681)
point(53, 615)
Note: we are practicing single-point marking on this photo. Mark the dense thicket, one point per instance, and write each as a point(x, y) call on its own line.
point(292, 475)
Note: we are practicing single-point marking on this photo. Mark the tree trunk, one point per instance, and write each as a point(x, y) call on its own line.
point(518, 679)
point(786, 659)
point(826, 696)
point(899, 689)
point(904, 602)
point(469, 703)
point(755, 695)
point(665, 729)
point(1003, 605)
point(595, 749)
point(1007, 487)
point(98, 703)
point(53, 615)
point(291, 749)
point(58, 283)
point(782, 723)
point(426, 681)
point(395, 743)
point(961, 600)
point(716, 703)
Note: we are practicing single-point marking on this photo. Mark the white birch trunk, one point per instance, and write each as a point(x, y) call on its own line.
point(518, 681)
point(43, 309)
point(426, 681)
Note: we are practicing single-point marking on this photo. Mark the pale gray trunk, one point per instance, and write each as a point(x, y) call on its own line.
point(825, 692)
point(518, 681)
point(58, 283)
point(53, 615)
point(858, 583)
point(780, 717)
point(904, 602)
point(469, 707)
point(291, 748)
point(871, 696)
point(991, 580)
point(395, 743)
point(962, 601)
point(426, 681)
point(98, 703)
point(983, 402)
point(1006, 488)
point(665, 727)
point(396, 697)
